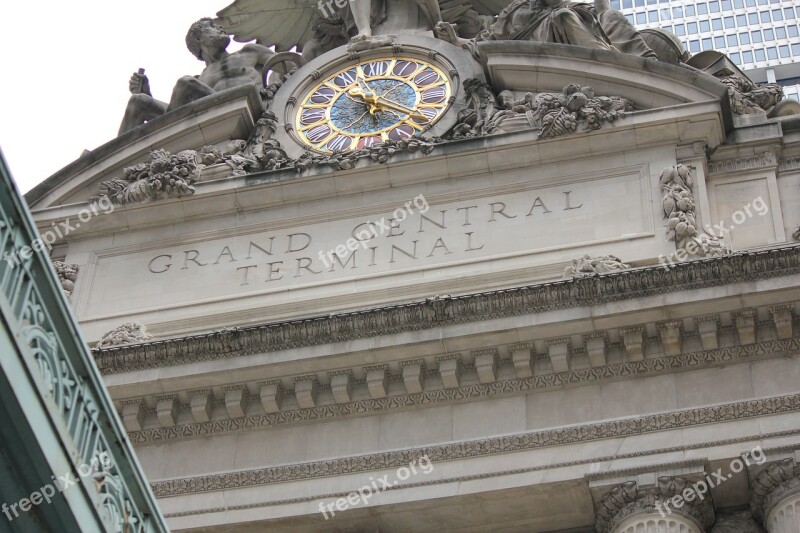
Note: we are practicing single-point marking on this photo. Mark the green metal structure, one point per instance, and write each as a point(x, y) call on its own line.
point(67, 464)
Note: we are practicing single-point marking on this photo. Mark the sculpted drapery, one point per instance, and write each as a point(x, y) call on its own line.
point(564, 22)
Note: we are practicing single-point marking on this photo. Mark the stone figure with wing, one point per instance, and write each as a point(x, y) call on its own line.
point(317, 26)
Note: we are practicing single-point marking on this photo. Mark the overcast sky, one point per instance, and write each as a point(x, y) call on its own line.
point(64, 83)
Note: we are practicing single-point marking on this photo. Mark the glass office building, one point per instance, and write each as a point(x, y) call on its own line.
point(761, 36)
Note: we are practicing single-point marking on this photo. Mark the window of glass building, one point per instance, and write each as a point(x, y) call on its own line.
point(780, 32)
point(726, 5)
point(756, 36)
point(788, 13)
point(652, 16)
point(753, 17)
point(777, 14)
point(719, 42)
point(704, 26)
point(784, 50)
point(615, 4)
point(794, 31)
point(741, 21)
point(716, 24)
point(689, 10)
point(714, 7)
point(641, 18)
point(765, 16)
point(665, 14)
point(738, 4)
point(702, 9)
point(760, 56)
point(677, 12)
point(744, 38)
point(772, 52)
point(747, 56)
point(729, 22)
point(691, 28)
point(796, 49)
point(679, 30)
point(736, 58)
point(707, 44)
point(694, 46)
point(732, 40)
point(769, 35)
point(751, 3)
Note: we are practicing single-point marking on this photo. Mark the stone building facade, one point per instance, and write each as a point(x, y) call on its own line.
point(573, 309)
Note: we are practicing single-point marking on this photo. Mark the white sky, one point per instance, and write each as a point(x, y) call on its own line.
point(65, 70)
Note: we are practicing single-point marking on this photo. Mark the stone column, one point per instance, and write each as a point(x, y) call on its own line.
point(775, 497)
point(669, 506)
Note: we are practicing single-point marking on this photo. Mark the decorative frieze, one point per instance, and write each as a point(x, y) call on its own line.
point(623, 427)
point(456, 393)
point(742, 164)
point(521, 358)
point(588, 265)
point(580, 292)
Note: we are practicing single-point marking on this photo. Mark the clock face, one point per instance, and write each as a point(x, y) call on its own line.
point(371, 102)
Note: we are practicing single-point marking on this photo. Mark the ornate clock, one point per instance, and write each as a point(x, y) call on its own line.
point(348, 100)
point(372, 101)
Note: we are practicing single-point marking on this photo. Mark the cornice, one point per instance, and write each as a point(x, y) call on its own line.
point(766, 159)
point(470, 392)
point(624, 427)
point(486, 475)
point(446, 310)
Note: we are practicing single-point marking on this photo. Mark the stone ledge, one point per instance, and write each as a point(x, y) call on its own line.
point(436, 312)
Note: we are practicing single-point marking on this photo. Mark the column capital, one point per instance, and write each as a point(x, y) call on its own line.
point(772, 489)
point(627, 506)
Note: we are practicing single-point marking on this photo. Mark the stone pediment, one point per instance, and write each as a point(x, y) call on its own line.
point(523, 66)
point(230, 114)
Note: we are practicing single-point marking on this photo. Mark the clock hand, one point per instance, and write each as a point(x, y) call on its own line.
point(398, 107)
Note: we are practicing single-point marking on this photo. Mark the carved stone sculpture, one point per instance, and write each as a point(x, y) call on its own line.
point(127, 333)
point(208, 42)
point(679, 209)
point(778, 482)
point(562, 22)
point(588, 265)
point(628, 500)
point(67, 274)
point(736, 522)
point(164, 175)
point(748, 98)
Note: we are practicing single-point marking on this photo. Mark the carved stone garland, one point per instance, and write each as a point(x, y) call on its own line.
point(67, 274)
point(679, 209)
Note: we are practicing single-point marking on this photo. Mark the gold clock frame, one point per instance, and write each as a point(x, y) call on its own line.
point(304, 102)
